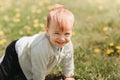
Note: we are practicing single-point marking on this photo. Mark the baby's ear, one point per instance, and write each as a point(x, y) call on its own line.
point(46, 29)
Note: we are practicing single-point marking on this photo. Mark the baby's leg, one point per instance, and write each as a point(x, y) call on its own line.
point(9, 67)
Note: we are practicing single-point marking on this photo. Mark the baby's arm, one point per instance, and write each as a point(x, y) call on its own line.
point(68, 62)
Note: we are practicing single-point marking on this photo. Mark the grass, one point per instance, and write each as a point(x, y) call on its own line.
point(96, 39)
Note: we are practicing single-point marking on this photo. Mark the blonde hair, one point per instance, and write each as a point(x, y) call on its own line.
point(60, 15)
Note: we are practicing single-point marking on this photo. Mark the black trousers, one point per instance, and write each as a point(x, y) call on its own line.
point(10, 67)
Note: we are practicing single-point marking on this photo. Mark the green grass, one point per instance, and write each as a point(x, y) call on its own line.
point(91, 19)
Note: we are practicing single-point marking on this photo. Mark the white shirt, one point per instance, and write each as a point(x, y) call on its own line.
point(38, 57)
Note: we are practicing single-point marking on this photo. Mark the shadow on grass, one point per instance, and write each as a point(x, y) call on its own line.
point(59, 76)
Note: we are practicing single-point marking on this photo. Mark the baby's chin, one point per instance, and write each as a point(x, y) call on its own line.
point(60, 46)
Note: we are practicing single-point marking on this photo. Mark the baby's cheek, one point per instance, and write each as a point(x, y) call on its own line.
point(67, 40)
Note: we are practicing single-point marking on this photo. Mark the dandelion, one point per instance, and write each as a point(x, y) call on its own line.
point(40, 3)
point(39, 32)
point(109, 51)
point(105, 29)
point(118, 1)
point(36, 25)
point(107, 37)
point(5, 18)
point(118, 47)
point(1, 6)
point(33, 8)
point(100, 7)
point(17, 15)
point(33, 11)
point(49, 7)
point(1, 33)
point(35, 20)
point(28, 17)
point(11, 24)
point(118, 51)
point(42, 25)
point(111, 44)
point(73, 33)
point(3, 41)
point(21, 32)
point(89, 17)
point(96, 50)
point(16, 20)
point(17, 9)
point(38, 11)
point(27, 28)
point(98, 75)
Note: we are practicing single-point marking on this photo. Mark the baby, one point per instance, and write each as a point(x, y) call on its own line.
point(34, 57)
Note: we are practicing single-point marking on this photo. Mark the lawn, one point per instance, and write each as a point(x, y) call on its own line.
point(96, 36)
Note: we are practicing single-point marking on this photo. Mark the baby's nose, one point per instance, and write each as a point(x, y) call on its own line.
point(62, 38)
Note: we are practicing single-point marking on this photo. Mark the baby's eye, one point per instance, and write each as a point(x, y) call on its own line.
point(67, 34)
point(56, 33)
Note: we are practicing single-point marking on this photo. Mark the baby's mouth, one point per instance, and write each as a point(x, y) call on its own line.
point(60, 42)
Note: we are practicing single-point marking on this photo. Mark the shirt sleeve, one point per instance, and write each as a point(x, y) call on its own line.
point(68, 61)
point(39, 63)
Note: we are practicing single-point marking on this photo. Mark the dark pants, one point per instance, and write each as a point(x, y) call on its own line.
point(10, 67)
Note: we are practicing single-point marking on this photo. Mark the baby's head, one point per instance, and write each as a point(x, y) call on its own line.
point(60, 23)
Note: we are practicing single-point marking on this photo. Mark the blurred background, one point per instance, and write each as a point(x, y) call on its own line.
point(96, 36)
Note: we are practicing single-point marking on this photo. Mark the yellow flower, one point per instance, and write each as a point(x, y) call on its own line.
point(1, 33)
point(36, 25)
point(89, 17)
point(106, 37)
point(38, 11)
point(100, 7)
point(109, 51)
point(35, 20)
point(118, 47)
point(49, 7)
point(3, 41)
point(40, 3)
point(105, 29)
point(21, 32)
point(17, 15)
point(73, 33)
point(28, 17)
point(5, 18)
point(40, 32)
point(16, 20)
point(118, 1)
point(111, 44)
point(1, 6)
point(98, 75)
point(17, 9)
point(42, 25)
point(118, 51)
point(33, 9)
point(27, 28)
point(96, 50)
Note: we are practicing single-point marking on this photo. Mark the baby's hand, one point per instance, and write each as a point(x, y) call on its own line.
point(69, 78)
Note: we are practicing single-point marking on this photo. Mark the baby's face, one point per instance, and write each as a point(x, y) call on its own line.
point(59, 37)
